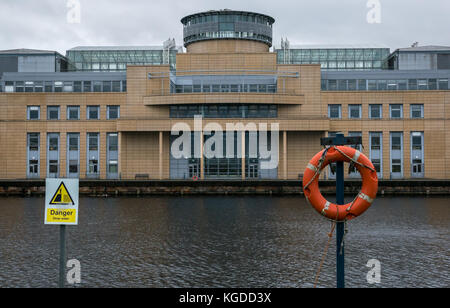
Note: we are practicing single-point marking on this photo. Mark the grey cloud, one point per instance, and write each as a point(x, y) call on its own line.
point(43, 24)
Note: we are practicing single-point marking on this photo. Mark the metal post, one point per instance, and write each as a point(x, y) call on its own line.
point(340, 228)
point(62, 254)
point(340, 140)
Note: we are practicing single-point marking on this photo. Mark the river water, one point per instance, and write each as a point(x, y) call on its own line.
point(236, 242)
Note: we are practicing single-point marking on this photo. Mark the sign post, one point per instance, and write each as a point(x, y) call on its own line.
point(340, 140)
point(61, 208)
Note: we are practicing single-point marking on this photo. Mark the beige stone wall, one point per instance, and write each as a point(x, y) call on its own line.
point(302, 116)
point(14, 128)
point(434, 125)
point(140, 154)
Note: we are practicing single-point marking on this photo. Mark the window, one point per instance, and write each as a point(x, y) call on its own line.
point(33, 142)
point(342, 85)
point(443, 84)
point(396, 111)
point(77, 86)
point(73, 166)
point(106, 86)
point(33, 112)
point(375, 111)
point(375, 141)
point(9, 86)
point(416, 143)
point(422, 84)
point(334, 111)
point(73, 112)
point(432, 84)
point(53, 143)
point(352, 85)
point(113, 142)
point(396, 141)
point(332, 85)
point(93, 142)
point(113, 112)
point(113, 167)
point(48, 86)
point(412, 84)
point(53, 113)
point(73, 142)
point(376, 151)
point(372, 85)
point(87, 86)
point(402, 85)
point(93, 113)
point(416, 111)
point(68, 86)
point(362, 84)
point(97, 86)
point(20, 86)
point(29, 86)
point(58, 86)
point(354, 111)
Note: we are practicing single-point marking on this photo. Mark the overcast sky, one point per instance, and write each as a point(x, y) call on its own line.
point(43, 24)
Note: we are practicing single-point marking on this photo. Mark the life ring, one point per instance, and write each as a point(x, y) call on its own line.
point(362, 201)
point(195, 178)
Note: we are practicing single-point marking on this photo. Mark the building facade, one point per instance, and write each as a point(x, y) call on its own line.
point(162, 121)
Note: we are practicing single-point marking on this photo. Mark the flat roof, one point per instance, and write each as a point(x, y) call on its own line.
point(25, 51)
point(117, 48)
point(336, 46)
point(424, 48)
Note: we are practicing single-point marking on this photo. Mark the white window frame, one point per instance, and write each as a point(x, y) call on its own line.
point(421, 111)
point(401, 111)
point(359, 111)
point(29, 108)
point(381, 111)
point(340, 111)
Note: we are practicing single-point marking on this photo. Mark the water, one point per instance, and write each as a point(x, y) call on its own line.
point(224, 242)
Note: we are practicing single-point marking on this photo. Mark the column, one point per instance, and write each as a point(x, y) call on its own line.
point(243, 154)
point(202, 158)
point(285, 175)
point(161, 148)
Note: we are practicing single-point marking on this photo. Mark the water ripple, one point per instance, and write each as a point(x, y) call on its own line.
point(224, 242)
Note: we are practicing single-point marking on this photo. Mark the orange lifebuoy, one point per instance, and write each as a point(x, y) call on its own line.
point(364, 199)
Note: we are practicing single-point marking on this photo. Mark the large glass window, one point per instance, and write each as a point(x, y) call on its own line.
point(224, 111)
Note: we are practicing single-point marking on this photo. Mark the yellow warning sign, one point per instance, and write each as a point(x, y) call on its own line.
point(61, 201)
point(61, 216)
point(62, 196)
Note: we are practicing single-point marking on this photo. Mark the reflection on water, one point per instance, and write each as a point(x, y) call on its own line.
point(224, 242)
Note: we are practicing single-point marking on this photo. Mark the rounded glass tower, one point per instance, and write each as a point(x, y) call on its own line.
point(227, 31)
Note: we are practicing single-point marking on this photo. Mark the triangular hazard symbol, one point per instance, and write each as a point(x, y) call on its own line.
point(62, 196)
